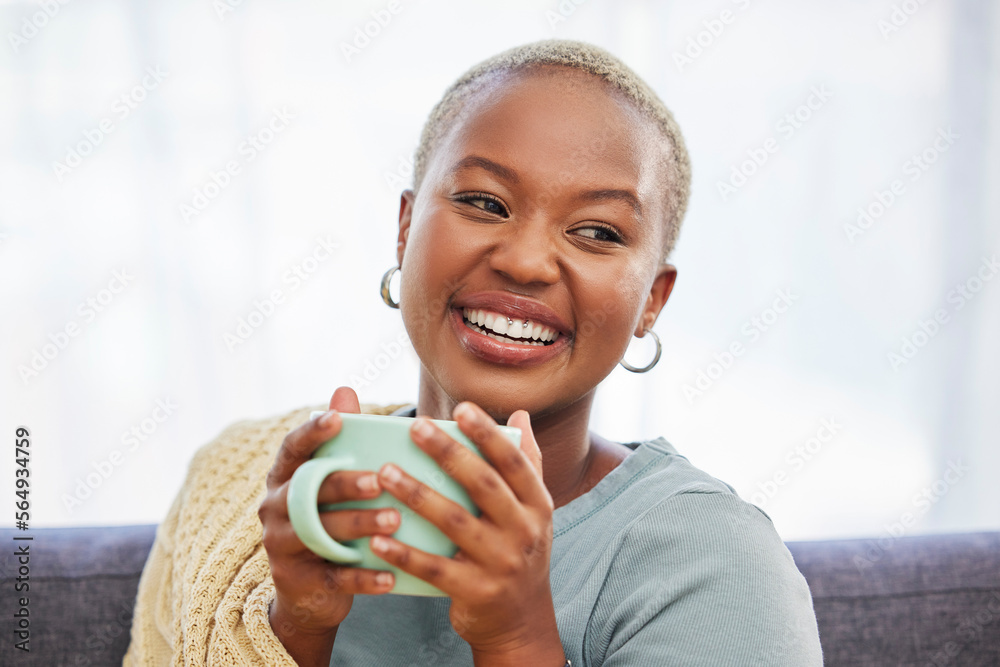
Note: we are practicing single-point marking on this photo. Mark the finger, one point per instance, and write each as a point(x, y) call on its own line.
point(345, 580)
point(339, 486)
point(484, 484)
point(345, 399)
point(336, 579)
point(351, 524)
point(300, 444)
point(282, 543)
point(280, 539)
point(349, 485)
point(448, 574)
point(512, 462)
point(522, 420)
point(469, 533)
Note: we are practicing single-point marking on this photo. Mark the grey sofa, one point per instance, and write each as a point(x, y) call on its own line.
point(930, 600)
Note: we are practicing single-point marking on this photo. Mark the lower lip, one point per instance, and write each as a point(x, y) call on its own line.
point(512, 354)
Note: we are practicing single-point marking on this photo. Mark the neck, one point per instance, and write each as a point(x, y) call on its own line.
point(561, 433)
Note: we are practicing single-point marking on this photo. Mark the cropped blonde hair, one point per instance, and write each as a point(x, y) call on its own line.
point(587, 58)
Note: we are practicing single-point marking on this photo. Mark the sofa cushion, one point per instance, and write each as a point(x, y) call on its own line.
point(81, 593)
point(929, 600)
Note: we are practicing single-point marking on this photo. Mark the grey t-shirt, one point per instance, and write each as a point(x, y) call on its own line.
point(660, 564)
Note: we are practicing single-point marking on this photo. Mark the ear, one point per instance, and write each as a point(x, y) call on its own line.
point(659, 292)
point(405, 216)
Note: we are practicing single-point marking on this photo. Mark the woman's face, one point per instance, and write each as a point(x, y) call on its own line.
point(542, 204)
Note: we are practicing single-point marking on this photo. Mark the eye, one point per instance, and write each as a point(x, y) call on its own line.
point(485, 202)
point(602, 233)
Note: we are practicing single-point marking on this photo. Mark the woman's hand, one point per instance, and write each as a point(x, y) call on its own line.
point(498, 582)
point(313, 594)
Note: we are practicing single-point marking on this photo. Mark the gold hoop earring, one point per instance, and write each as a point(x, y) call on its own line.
point(656, 358)
point(384, 289)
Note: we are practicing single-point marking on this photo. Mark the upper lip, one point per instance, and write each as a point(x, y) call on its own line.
point(506, 303)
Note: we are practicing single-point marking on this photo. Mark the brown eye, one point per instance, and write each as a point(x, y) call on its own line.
point(601, 233)
point(485, 203)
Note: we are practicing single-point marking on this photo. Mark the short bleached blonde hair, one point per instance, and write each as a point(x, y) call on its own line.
point(587, 58)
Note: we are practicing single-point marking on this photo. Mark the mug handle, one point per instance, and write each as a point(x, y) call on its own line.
point(303, 510)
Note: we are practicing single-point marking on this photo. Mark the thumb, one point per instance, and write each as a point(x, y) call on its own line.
point(522, 420)
point(344, 399)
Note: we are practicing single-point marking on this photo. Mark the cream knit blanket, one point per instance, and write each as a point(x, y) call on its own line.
point(204, 593)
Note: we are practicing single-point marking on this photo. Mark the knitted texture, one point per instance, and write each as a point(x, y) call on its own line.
point(206, 588)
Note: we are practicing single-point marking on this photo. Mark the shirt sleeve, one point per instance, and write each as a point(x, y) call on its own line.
point(704, 579)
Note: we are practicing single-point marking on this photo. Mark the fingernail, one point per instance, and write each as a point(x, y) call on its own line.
point(386, 518)
point(327, 419)
point(383, 579)
point(464, 409)
point(423, 428)
point(391, 473)
point(379, 543)
point(368, 483)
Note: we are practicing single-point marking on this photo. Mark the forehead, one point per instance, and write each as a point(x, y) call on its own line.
point(557, 125)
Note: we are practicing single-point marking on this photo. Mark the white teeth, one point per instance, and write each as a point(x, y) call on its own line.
point(497, 323)
point(504, 339)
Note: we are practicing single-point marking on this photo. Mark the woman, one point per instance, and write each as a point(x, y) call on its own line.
point(549, 186)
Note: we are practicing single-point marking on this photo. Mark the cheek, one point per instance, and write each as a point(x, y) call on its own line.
point(419, 301)
point(608, 311)
point(431, 265)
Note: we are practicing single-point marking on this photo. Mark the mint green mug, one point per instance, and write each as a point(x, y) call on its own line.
point(367, 442)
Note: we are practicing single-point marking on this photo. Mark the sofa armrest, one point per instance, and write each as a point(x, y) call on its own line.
point(929, 600)
point(82, 588)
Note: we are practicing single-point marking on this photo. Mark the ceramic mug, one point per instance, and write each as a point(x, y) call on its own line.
point(367, 442)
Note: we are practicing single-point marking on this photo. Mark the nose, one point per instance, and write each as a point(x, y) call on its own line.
point(526, 254)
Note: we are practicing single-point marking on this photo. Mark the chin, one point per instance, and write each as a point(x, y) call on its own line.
point(500, 402)
point(493, 402)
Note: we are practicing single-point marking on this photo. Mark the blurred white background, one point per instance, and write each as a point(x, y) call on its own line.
point(116, 299)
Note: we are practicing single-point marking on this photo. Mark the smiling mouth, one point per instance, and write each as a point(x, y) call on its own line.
point(527, 340)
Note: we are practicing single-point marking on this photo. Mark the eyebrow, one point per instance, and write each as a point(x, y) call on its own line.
point(509, 175)
point(625, 196)
point(471, 161)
